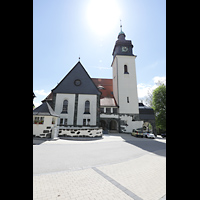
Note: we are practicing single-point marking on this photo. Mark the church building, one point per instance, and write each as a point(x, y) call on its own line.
point(81, 103)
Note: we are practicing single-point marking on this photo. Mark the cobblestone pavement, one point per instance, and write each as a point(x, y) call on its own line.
point(140, 177)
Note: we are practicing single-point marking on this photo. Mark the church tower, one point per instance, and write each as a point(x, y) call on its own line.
point(124, 77)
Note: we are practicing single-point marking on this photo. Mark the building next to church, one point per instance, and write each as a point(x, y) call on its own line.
point(83, 105)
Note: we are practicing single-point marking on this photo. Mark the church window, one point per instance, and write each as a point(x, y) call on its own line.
point(86, 122)
point(127, 99)
point(65, 106)
point(61, 121)
point(125, 69)
point(87, 107)
point(115, 110)
point(77, 82)
point(102, 110)
point(65, 122)
point(108, 110)
point(41, 120)
point(38, 120)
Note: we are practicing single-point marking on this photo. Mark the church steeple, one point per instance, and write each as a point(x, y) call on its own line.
point(124, 77)
point(121, 35)
point(122, 46)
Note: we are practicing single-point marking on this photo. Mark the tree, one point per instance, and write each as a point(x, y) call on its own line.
point(149, 98)
point(159, 106)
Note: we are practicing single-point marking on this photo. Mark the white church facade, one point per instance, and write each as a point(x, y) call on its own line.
point(85, 106)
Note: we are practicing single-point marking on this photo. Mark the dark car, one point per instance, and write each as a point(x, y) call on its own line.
point(105, 131)
point(163, 135)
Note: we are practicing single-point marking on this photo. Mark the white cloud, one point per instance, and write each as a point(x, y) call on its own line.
point(144, 89)
point(36, 104)
point(158, 79)
point(41, 92)
point(39, 97)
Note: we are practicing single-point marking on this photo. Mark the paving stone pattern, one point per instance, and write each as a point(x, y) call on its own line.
point(146, 180)
point(141, 177)
point(83, 184)
point(126, 180)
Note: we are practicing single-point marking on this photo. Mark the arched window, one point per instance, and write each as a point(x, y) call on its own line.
point(87, 107)
point(125, 69)
point(65, 106)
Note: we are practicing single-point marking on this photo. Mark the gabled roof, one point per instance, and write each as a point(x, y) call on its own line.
point(105, 86)
point(84, 86)
point(44, 110)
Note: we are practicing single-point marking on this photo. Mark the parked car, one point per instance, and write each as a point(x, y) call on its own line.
point(105, 131)
point(149, 135)
point(137, 132)
point(163, 135)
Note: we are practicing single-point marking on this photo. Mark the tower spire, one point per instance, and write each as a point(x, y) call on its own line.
point(121, 24)
point(121, 33)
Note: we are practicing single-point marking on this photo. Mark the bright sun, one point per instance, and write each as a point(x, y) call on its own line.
point(103, 15)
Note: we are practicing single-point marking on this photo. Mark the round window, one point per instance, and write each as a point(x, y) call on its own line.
point(77, 82)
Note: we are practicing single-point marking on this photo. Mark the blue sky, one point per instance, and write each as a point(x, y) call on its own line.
point(63, 30)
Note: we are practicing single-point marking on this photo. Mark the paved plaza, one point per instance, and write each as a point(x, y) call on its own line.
point(118, 166)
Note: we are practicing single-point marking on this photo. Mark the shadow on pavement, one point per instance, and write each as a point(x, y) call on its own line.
point(146, 144)
point(81, 138)
point(37, 140)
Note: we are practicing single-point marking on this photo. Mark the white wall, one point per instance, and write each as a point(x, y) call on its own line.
point(125, 85)
point(115, 80)
point(82, 132)
point(59, 106)
point(38, 128)
point(131, 124)
point(81, 108)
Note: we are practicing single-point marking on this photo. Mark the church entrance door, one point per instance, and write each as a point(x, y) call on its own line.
point(113, 126)
point(103, 124)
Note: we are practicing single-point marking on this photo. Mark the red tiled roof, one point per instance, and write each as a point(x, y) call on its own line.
point(105, 86)
point(107, 89)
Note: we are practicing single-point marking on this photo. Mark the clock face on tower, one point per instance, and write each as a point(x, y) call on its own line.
point(124, 49)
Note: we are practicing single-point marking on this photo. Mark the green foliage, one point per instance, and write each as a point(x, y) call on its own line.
point(159, 106)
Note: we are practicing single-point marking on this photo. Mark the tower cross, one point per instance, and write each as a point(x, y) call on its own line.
point(121, 24)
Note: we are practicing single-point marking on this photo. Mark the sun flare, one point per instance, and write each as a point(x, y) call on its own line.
point(103, 15)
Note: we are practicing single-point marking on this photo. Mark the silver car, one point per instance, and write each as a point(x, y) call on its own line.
point(149, 135)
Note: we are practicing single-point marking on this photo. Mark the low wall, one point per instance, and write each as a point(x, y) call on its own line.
point(81, 132)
